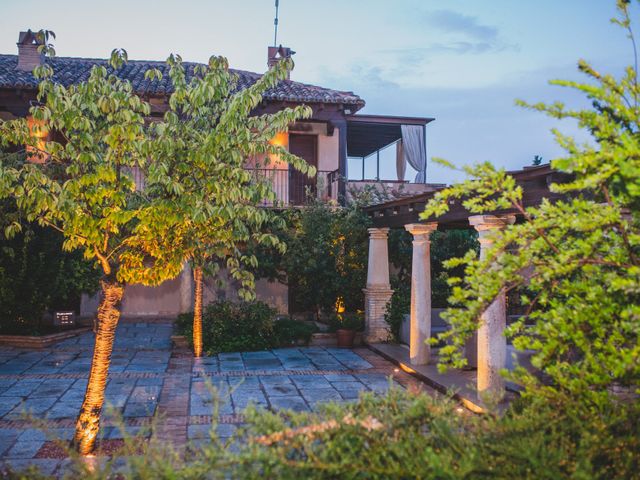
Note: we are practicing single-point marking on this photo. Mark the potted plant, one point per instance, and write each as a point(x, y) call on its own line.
point(346, 325)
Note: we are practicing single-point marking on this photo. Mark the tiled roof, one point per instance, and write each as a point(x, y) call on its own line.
point(69, 70)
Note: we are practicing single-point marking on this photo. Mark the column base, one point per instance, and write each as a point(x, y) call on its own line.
point(376, 328)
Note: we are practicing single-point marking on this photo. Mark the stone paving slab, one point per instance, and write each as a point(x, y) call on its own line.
point(147, 378)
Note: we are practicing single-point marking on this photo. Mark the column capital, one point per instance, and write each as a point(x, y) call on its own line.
point(381, 233)
point(491, 222)
point(416, 229)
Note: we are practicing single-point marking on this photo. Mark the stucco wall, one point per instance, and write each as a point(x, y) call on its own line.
point(166, 300)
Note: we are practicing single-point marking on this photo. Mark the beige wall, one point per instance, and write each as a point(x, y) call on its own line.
point(165, 300)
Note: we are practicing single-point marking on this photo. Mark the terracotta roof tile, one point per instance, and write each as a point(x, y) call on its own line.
point(69, 70)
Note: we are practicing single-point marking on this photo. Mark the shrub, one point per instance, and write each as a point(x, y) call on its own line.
point(326, 257)
point(347, 321)
point(243, 326)
point(399, 305)
point(400, 435)
point(290, 332)
point(36, 275)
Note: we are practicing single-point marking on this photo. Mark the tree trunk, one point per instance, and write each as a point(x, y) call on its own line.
point(88, 422)
point(197, 312)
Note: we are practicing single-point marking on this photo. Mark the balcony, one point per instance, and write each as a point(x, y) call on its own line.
point(293, 188)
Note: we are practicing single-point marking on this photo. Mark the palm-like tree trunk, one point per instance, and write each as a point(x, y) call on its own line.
point(88, 422)
point(197, 312)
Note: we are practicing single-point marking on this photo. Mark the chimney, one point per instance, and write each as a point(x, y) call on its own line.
point(275, 54)
point(28, 55)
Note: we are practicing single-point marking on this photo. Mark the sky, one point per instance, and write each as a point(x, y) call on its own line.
point(463, 62)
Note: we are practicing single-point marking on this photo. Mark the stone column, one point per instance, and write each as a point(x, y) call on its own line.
point(378, 291)
point(492, 344)
point(186, 288)
point(420, 326)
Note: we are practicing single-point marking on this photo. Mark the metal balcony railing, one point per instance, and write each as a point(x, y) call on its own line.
point(295, 188)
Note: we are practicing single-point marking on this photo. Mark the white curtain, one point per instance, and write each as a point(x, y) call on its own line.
point(415, 150)
point(401, 163)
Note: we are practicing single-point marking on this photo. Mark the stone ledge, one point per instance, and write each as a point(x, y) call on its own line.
point(44, 341)
point(330, 340)
point(451, 383)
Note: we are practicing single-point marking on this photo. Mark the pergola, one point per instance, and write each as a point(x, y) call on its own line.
point(368, 134)
point(489, 353)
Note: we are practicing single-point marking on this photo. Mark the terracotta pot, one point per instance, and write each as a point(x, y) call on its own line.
point(345, 338)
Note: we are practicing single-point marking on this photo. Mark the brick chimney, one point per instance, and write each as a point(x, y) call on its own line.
point(275, 54)
point(28, 55)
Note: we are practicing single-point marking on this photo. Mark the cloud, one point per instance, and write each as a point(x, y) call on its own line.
point(462, 47)
point(464, 34)
point(370, 74)
point(454, 22)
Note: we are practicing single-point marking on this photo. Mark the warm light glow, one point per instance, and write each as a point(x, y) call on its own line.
point(91, 462)
point(340, 308)
point(36, 129)
point(407, 368)
point(281, 139)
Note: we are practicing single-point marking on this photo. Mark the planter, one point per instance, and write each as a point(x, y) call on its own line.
point(27, 341)
point(345, 338)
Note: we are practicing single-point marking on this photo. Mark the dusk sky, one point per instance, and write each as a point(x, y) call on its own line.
point(460, 61)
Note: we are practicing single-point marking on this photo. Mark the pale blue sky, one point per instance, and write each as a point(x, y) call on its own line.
point(460, 61)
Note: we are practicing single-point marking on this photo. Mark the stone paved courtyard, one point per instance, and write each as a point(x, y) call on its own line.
point(147, 378)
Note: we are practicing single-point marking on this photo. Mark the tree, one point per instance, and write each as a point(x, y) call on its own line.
point(576, 262)
point(198, 175)
point(84, 189)
point(325, 260)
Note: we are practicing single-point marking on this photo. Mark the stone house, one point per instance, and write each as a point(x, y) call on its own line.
point(349, 151)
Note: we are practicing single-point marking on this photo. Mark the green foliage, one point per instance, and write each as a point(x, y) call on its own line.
point(209, 200)
point(288, 331)
point(399, 435)
point(36, 276)
point(399, 305)
point(326, 257)
point(347, 321)
point(244, 326)
point(576, 261)
point(445, 245)
point(84, 188)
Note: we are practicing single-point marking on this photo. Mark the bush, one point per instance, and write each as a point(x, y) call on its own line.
point(347, 321)
point(400, 435)
point(243, 326)
point(291, 332)
point(399, 305)
point(326, 257)
point(36, 275)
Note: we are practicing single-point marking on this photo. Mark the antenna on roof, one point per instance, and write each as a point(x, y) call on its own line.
point(275, 25)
